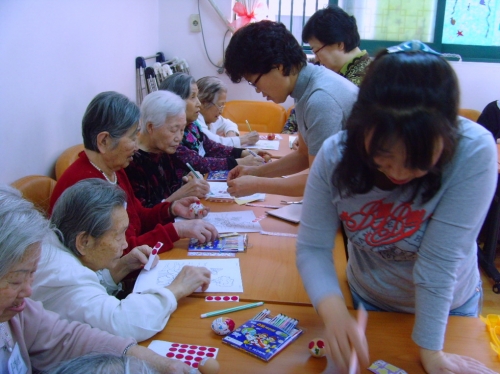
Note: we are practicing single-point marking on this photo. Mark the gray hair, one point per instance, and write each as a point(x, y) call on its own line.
point(21, 225)
point(103, 363)
point(209, 89)
point(159, 106)
point(109, 111)
point(178, 83)
point(86, 207)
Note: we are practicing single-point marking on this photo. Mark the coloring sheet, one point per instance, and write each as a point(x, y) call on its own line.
point(273, 145)
point(226, 274)
point(244, 221)
point(218, 190)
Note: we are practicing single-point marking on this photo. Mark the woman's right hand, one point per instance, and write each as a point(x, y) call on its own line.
point(189, 279)
point(437, 362)
point(343, 334)
point(193, 187)
point(251, 138)
point(196, 228)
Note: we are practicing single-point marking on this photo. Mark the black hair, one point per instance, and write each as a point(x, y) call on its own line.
point(109, 111)
point(261, 46)
point(332, 25)
point(178, 83)
point(407, 96)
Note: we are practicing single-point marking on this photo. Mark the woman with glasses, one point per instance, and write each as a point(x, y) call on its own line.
point(411, 183)
point(212, 95)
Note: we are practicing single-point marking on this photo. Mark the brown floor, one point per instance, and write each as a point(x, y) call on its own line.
point(491, 302)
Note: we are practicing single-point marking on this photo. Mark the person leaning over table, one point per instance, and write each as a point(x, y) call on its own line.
point(109, 130)
point(32, 338)
point(82, 266)
point(214, 156)
point(411, 183)
point(156, 173)
point(334, 39)
point(269, 57)
point(212, 95)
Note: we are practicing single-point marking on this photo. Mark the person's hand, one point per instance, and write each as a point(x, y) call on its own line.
point(189, 279)
point(251, 138)
point(196, 228)
point(138, 257)
point(295, 144)
point(250, 160)
point(135, 259)
point(439, 362)
point(343, 334)
point(241, 170)
point(242, 186)
point(181, 208)
point(193, 187)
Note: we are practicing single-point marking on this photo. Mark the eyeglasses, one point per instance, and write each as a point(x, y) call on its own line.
point(220, 107)
point(254, 84)
point(319, 49)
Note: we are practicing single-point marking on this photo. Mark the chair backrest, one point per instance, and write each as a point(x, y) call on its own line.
point(471, 114)
point(66, 158)
point(37, 189)
point(263, 116)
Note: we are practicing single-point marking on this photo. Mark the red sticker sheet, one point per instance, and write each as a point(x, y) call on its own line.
point(222, 298)
point(190, 354)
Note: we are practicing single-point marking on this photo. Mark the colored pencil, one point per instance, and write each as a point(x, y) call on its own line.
point(194, 171)
point(230, 310)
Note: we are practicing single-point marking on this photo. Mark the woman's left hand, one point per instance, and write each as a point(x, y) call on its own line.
point(439, 362)
point(181, 208)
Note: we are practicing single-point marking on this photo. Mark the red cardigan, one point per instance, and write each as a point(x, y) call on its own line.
point(147, 225)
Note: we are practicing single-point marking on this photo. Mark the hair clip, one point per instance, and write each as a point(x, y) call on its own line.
point(412, 45)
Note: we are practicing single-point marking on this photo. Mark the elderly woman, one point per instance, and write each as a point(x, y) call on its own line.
point(156, 173)
point(30, 336)
point(212, 95)
point(91, 219)
point(109, 129)
point(214, 156)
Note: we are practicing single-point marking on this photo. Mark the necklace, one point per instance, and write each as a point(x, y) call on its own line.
point(6, 338)
point(103, 173)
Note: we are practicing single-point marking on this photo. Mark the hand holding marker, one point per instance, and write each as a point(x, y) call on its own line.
point(152, 255)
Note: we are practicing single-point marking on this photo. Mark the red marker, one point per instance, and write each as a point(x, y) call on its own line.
point(152, 256)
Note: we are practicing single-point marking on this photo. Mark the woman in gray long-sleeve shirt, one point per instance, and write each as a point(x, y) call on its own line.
point(411, 183)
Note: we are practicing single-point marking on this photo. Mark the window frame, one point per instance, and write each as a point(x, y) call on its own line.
point(471, 53)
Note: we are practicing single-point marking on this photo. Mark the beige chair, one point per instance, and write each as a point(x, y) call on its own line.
point(37, 189)
point(263, 116)
point(66, 158)
point(471, 114)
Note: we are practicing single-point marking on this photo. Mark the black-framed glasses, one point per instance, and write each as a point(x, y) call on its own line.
point(319, 49)
point(254, 84)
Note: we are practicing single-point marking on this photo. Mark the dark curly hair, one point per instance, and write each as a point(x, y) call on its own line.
point(261, 46)
point(407, 96)
point(332, 25)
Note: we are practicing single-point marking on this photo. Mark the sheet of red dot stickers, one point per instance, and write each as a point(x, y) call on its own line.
point(222, 298)
point(190, 354)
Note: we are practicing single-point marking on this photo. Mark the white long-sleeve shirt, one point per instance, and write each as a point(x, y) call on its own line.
point(220, 127)
point(64, 285)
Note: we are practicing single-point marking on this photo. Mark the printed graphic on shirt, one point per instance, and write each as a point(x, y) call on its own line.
point(393, 229)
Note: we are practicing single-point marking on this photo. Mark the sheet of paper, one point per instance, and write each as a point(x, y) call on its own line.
point(266, 144)
point(218, 190)
point(243, 221)
point(291, 139)
point(226, 274)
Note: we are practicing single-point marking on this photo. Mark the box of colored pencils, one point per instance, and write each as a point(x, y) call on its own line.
point(236, 243)
point(264, 336)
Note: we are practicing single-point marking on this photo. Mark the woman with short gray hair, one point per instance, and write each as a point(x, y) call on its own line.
point(109, 129)
point(31, 336)
point(79, 275)
point(212, 95)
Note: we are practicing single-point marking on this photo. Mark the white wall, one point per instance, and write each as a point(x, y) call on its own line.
point(58, 54)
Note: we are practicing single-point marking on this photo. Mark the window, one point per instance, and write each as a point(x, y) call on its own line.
point(468, 28)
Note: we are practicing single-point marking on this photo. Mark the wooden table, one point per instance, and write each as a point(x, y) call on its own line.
point(388, 337)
